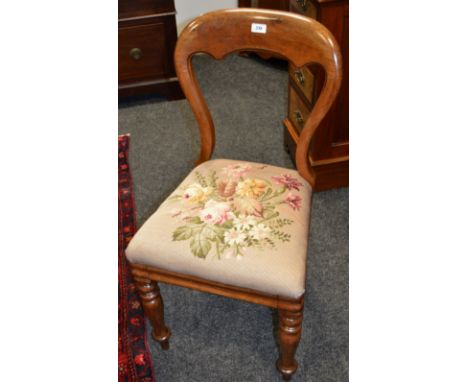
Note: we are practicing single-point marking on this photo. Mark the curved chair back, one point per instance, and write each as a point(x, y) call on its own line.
point(299, 39)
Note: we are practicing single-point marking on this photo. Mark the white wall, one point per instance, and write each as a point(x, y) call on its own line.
point(187, 10)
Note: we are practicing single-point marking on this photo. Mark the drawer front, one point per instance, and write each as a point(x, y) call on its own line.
point(143, 52)
point(304, 79)
point(134, 8)
point(298, 111)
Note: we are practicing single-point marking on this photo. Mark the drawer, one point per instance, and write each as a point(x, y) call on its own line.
point(304, 79)
point(144, 52)
point(304, 7)
point(134, 8)
point(298, 111)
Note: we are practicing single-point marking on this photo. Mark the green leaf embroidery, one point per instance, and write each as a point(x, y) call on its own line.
point(212, 179)
point(213, 232)
point(274, 194)
point(266, 194)
point(195, 220)
point(200, 246)
point(270, 242)
point(281, 235)
point(268, 217)
point(182, 233)
point(218, 253)
point(279, 223)
point(201, 179)
point(185, 232)
point(228, 225)
point(174, 197)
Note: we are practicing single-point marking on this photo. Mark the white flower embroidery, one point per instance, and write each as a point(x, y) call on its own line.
point(260, 231)
point(234, 236)
point(244, 222)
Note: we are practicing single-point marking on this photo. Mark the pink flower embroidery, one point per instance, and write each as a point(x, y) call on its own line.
point(288, 181)
point(215, 213)
point(236, 171)
point(294, 201)
point(226, 189)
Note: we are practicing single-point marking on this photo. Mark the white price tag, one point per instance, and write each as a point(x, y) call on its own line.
point(259, 28)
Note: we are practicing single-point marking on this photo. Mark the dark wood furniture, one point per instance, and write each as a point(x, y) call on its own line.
point(329, 152)
point(302, 41)
point(147, 38)
point(279, 5)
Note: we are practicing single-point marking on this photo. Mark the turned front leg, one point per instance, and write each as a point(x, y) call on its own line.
point(153, 307)
point(289, 334)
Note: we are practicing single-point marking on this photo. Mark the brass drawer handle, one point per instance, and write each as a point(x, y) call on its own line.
point(304, 4)
point(298, 117)
point(299, 76)
point(135, 53)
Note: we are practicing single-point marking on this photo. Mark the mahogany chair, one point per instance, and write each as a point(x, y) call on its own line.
point(232, 228)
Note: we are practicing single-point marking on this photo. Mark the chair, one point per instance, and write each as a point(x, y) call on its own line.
point(232, 228)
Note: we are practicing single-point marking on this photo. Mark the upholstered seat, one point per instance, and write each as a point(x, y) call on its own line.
point(238, 223)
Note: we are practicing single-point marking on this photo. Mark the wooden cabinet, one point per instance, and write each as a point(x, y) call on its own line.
point(147, 38)
point(329, 153)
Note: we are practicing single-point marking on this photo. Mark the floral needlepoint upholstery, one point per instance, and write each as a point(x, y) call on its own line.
point(239, 223)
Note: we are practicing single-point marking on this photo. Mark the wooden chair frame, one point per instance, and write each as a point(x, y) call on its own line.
point(302, 41)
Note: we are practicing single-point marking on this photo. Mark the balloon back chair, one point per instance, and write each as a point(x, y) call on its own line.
point(233, 228)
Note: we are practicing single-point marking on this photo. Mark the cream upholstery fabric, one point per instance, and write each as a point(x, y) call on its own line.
point(239, 223)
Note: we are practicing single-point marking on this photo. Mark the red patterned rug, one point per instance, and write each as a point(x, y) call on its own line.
point(134, 357)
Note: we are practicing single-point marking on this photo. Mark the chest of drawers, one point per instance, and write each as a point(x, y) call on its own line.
point(147, 38)
point(329, 153)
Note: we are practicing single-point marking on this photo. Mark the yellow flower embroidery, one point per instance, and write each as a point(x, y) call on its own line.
point(195, 193)
point(251, 188)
